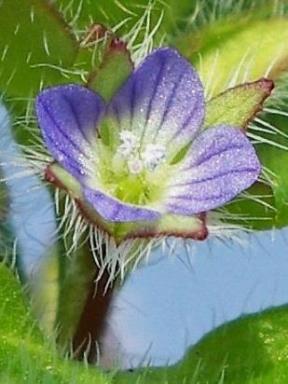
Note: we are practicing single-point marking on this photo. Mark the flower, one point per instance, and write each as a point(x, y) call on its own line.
point(142, 164)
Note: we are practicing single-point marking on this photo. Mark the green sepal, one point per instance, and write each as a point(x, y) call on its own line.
point(93, 44)
point(237, 106)
point(192, 227)
point(58, 176)
point(105, 61)
point(114, 70)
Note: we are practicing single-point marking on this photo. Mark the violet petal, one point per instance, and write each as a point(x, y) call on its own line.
point(220, 164)
point(114, 210)
point(68, 116)
point(162, 100)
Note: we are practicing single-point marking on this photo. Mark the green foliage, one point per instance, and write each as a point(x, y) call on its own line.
point(36, 50)
point(234, 51)
point(125, 13)
point(25, 356)
point(35, 43)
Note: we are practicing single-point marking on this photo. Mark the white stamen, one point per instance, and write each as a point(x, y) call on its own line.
point(136, 160)
point(129, 143)
point(153, 155)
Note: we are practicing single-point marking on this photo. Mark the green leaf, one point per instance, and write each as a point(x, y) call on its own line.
point(252, 349)
point(36, 47)
point(25, 356)
point(126, 13)
point(14, 317)
point(238, 106)
point(230, 52)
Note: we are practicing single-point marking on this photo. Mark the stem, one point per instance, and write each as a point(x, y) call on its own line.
point(87, 337)
point(83, 304)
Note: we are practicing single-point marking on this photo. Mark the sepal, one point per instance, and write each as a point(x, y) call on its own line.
point(238, 106)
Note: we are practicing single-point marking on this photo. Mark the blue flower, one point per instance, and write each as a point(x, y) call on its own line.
point(144, 156)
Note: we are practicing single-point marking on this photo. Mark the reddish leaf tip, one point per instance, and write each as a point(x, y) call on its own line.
point(266, 84)
point(117, 44)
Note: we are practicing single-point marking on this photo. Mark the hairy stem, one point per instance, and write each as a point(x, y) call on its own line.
point(87, 337)
point(84, 300)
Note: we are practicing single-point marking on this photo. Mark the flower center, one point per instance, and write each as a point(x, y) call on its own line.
point(138, 159)
point(131, 172)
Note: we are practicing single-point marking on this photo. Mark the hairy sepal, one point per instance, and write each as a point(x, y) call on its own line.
point(105, 59)
point(186, 227)
point(238, 106)
point(113, 71)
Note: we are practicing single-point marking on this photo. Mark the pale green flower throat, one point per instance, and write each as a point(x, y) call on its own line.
point(136, 174)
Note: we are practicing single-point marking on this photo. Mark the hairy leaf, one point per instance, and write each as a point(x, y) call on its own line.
point(234, 51)
point(36, 47)
point(125, 13)
point(24, 353)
